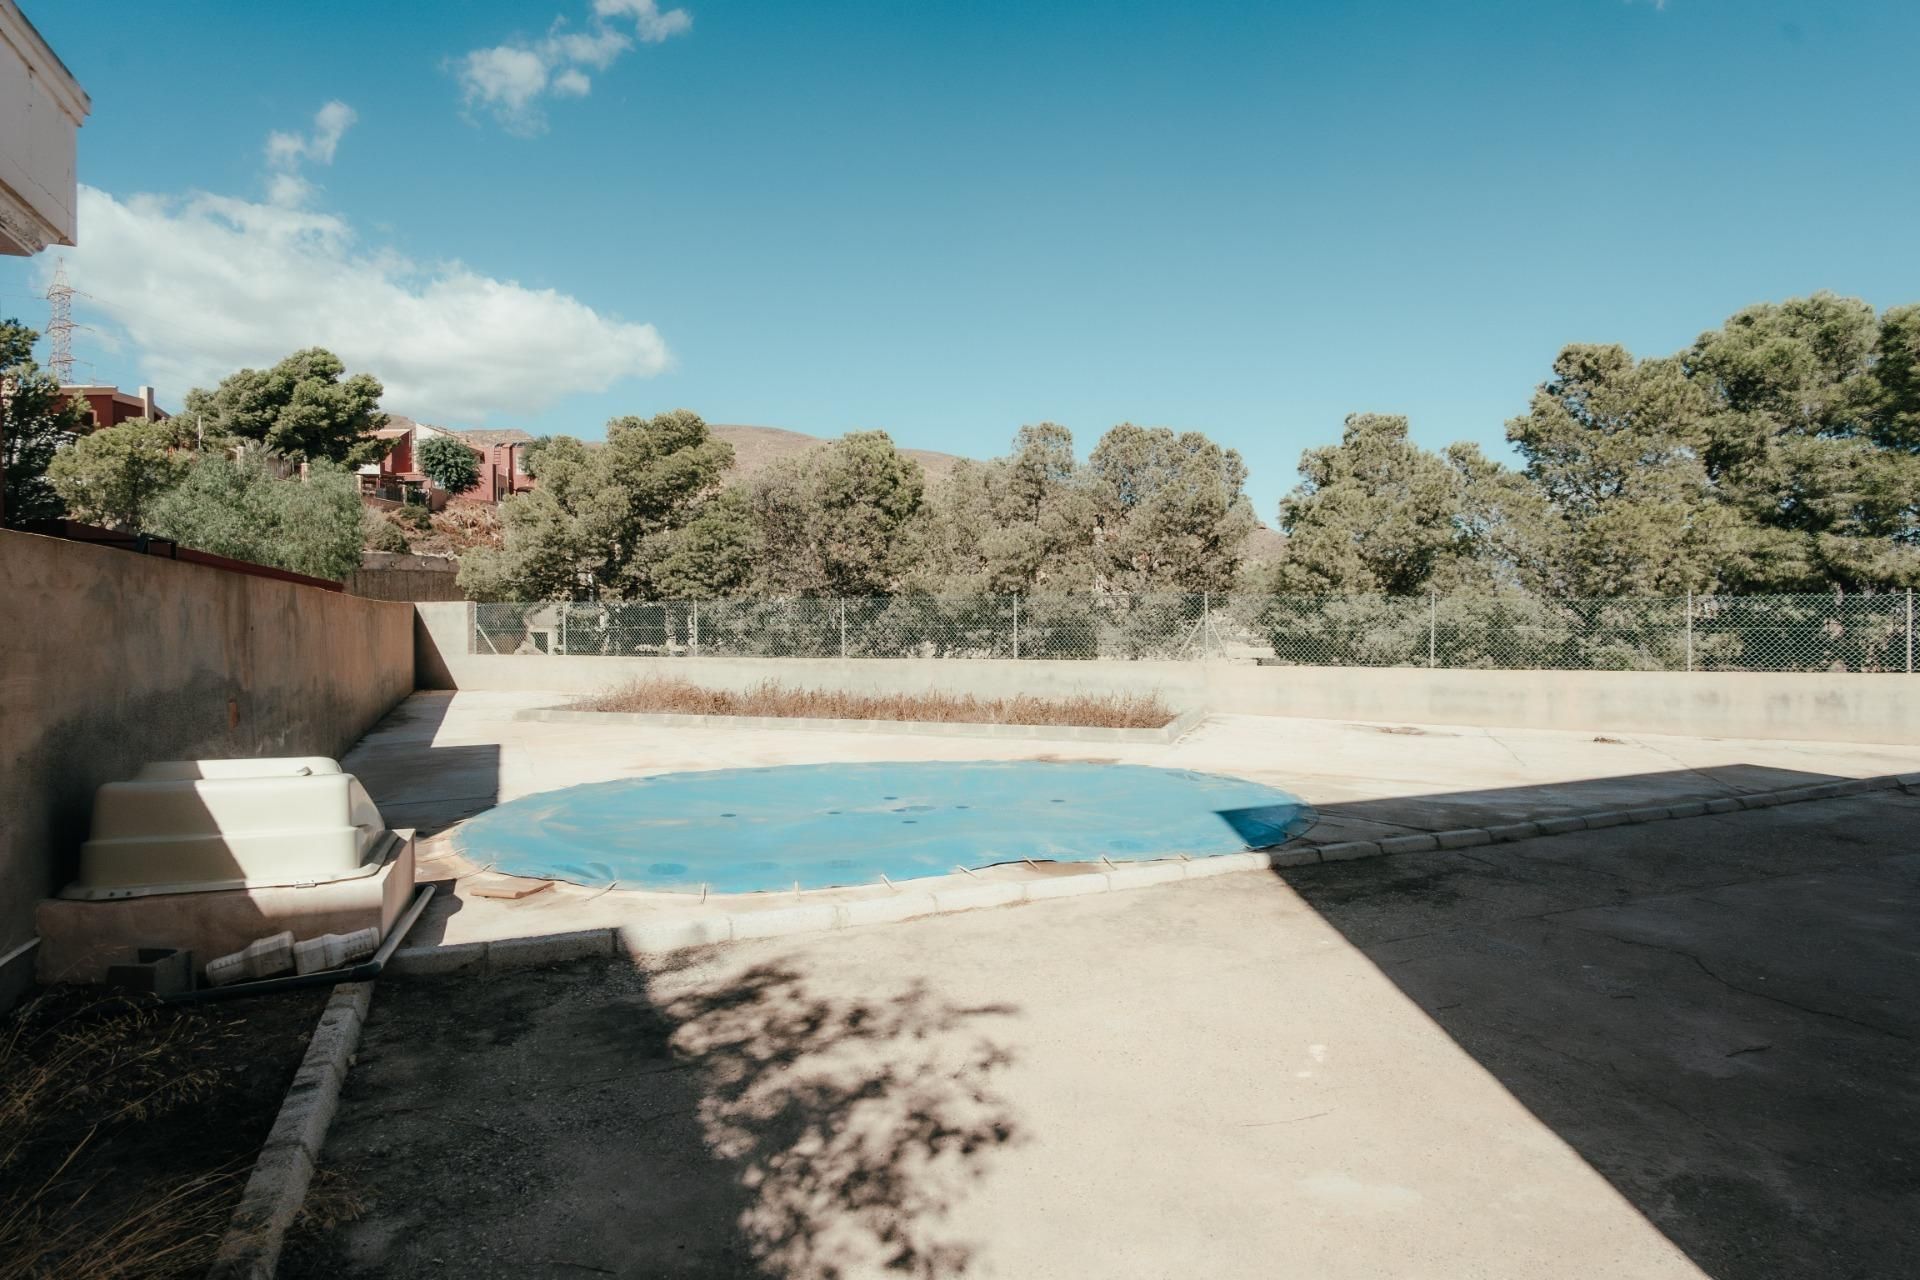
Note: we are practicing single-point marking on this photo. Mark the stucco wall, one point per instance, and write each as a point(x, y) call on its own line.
point(1813, 707)
point(108, 660)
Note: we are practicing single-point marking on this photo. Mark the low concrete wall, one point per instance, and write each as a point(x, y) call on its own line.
point(108, 660)
point(1812, 707)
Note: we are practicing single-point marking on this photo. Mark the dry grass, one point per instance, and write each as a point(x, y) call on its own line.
point(126, 1133)
point(771, 698)
point(68, 1078)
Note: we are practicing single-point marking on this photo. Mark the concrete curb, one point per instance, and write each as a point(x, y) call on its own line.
point(273, 1196)
point(1179, 727)
point(659, 936)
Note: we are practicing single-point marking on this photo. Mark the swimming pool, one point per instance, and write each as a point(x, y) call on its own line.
point(823, 826)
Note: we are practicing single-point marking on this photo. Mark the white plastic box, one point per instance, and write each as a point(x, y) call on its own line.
point(183, 826)
point(209, 855)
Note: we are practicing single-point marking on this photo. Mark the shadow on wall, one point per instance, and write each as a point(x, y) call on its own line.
point(718, 1120)
point(207, 719)
point(1716, 1013)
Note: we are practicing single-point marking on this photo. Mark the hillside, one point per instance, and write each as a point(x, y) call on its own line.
point(755, 448)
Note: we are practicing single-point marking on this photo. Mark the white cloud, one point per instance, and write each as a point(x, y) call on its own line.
point(289, 189)
point(287, 152)
point(509, 80)
point(200, 285)
point(650, 24)
point(330, 124)
point(506, 79)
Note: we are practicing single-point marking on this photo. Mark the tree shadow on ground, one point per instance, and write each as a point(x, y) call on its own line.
point(849, 1124)
point(689, 1119)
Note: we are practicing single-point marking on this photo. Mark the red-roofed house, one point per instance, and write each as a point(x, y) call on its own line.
point(110, 406)
point(393, 477)
point(502, 458)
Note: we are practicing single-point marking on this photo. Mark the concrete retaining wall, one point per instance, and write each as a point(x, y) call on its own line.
point(392, 575)
point(108, 660)
point(1813, 707)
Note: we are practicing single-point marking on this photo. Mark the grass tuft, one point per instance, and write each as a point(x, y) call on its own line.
point(667, 695)
point(127, 1130)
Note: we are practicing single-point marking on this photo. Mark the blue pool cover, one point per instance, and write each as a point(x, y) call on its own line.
point(827, 825)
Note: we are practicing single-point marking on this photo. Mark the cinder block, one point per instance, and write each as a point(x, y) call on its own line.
point(1606, 818)
point(1647, 813)
point(979, 894)
point(1692, 809)
point(651, 937)
point(1561, 826)
point(1420, 843)
point(272, 1199)
point(1068, 886)
point(1137, 875)
point(1507, 831)
point(549, 948)
point(1465, 838)
point(888, 910)
point(780, 921)
point(1350, 850)
point(305, 1115)
point(1344, 850)
point(1725, 804)
point(1219, 865)
point(440, 961)
point(1304, 856)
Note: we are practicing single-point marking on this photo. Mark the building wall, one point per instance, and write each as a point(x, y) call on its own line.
point(500, 477)
point(41, 108)
point(1811, 707)
point(108, 660)
point(110, 406)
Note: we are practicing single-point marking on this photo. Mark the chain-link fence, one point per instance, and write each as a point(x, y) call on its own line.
point(1864, 633)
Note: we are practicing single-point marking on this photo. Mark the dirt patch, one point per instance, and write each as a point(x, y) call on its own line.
point(664, 695)
point(127, 1130)
point(663, 1121)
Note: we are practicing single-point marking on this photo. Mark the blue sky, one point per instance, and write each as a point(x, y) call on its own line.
point(951, 219)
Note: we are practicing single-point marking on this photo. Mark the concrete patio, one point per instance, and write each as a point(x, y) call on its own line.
point(1660, 1051)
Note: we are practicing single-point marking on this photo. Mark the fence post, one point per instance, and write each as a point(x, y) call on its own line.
point(843, 626)
point(1689, 630)
point(1909, 630)
point(1206, 624)
point(1016, 626)
point(696, 628)
point(563, 627)
point(1433, 629)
